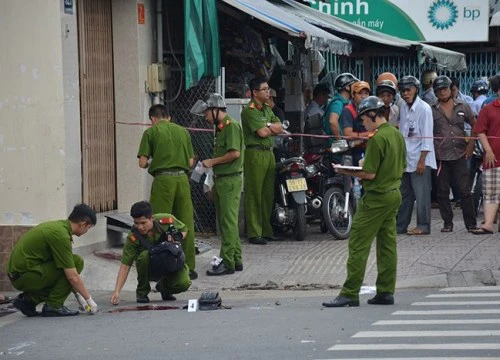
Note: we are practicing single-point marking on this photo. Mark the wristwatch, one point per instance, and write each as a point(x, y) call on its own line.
point(269, 124)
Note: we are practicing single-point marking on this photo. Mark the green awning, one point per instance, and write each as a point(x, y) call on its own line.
point(201, 44)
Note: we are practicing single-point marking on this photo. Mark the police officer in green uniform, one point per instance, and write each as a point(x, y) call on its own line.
point(43, 266)
point(144, 222)
point(385, 161)
point(169, 146)
point(259, 125)
point(227, 165)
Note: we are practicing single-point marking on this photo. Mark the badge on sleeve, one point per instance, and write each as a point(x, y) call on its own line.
point(133, 238)
point(166, 221)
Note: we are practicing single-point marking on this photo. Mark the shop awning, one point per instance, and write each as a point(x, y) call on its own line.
point(447, 59)
point(314, 37)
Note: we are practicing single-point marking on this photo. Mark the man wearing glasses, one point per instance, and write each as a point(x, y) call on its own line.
point(259, 125)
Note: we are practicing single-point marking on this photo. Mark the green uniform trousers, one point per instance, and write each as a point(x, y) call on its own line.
point(175, 283)
point(172, 194)
point(375, 217)
point(47, 283)
point(227, 196)
point(259, 169)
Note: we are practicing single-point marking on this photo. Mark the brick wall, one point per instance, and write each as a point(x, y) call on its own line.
point(9, 234)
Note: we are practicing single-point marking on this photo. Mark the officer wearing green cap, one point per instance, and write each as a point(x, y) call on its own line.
point(383, 167)
point(43, 266)
point(151, 228)
point(259, 125)
point(227, 165)
point(169, 147)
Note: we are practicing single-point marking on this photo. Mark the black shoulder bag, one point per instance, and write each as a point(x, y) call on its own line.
point(165, 257)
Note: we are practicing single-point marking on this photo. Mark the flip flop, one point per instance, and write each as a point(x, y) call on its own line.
point(5, 300)
point(417, 232)
point(482, 231)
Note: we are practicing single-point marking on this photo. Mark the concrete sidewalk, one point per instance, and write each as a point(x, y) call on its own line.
point(437, 260)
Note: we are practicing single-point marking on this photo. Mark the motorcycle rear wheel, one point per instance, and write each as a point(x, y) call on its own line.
point(300, 226)
point(333, 213)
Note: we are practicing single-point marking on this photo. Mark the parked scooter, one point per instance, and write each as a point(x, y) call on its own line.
point(290, 198)
point(330, 195)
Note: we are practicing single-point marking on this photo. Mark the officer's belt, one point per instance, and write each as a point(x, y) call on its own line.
point(380, 192)
point(226, 175)
point(170, 172)
point(259, 147)
point(14, 276)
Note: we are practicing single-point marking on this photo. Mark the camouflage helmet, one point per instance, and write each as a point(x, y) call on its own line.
point(213, 101)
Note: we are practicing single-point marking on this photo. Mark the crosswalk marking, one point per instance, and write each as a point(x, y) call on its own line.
point(475, 295)
point(455, 303)
point(472, 288)
point(454, 346)
point(425, 333)
point(438, 322)
point(447, 312)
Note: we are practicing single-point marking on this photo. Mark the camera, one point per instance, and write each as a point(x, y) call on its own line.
point(174, 233)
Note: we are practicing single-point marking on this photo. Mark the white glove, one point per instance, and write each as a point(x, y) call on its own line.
point(81, 301)
point(91, 306)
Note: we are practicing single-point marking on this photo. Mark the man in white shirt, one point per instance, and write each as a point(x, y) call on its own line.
point(416, 126)
point(321, 94)
point(479, 90)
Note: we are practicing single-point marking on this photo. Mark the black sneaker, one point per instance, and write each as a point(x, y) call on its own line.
point(26, 306)
point(49, 311)
point(165, 296)
point(222, 269)
point(193, 275)
point(382, 299)
point(341, 301)
point(257, 241)
point(143, 299)
point(238, 267)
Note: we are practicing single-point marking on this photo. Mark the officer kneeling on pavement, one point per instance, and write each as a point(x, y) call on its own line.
point(154, 245)
point(43, 266)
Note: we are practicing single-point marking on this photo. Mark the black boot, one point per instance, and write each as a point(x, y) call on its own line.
point(49, 311)
point(341, 301)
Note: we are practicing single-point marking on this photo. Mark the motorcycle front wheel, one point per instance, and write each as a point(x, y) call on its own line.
point(299, 228)
point(333, 210)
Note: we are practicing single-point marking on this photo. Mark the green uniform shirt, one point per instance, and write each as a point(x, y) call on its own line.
point(169, 145)
point(228, 137)
point(49, 241)
point(386, 157)
point(133, 245)
point(253, 119)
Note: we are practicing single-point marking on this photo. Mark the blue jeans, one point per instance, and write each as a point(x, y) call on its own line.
point(415, 187)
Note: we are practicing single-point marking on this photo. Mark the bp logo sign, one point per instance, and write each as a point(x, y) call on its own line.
point(443, 14)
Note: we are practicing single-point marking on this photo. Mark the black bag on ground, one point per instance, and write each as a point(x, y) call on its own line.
point(165, 257)
point(209, 300)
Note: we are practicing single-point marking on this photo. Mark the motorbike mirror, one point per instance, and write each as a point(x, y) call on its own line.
point(339, 146)
point(285, 124)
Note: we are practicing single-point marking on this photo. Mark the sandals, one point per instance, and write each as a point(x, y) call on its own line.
point(416, 231)
point(447, 229)
point(5, 299)
point(482, 231)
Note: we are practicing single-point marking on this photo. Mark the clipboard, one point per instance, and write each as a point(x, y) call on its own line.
point(348, 167)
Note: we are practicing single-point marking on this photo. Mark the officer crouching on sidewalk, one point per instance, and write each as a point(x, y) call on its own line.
point(148, 232)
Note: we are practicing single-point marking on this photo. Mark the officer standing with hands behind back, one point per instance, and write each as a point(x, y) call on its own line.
point(259, 126)
point(227, 163)
point(169, 145)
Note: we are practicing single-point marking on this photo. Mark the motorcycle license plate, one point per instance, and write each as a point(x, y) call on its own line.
point(298, 184)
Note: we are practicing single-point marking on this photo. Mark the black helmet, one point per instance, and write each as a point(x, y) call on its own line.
point(212, 101)
point(386, 85)
point(344, 80)
point(440, 82)
point(407, 82)
point(371, 103)
point(480, 86)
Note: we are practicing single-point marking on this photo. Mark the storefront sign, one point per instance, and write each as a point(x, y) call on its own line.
point(420, 20)
point(141, 14)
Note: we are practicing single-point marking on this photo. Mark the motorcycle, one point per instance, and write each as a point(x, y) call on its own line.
point(290, 198)
point(330, 195)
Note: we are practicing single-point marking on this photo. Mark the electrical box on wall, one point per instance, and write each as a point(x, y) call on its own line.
point(157, 77)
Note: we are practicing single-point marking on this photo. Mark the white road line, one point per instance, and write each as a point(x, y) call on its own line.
point(438, 322)
point(447, 312)
point(472, 288)
point(424, 358)
point(425, 333)
point(454, 303)
point(475, 295)
point(455, 346)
